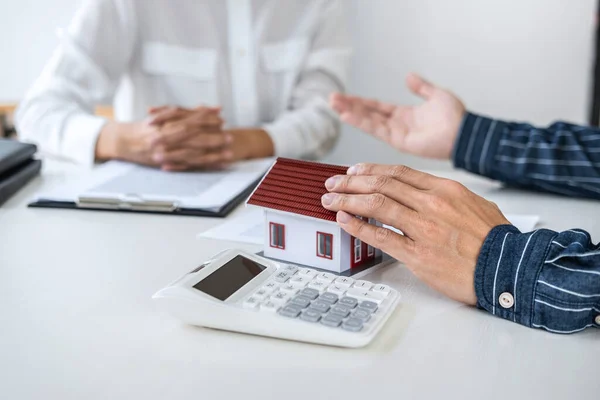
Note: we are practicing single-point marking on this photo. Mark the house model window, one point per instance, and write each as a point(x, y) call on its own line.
point(325, 245)
point(277, 235)
point(298, 229)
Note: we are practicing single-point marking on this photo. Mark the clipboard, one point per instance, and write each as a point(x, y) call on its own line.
point(143, 206)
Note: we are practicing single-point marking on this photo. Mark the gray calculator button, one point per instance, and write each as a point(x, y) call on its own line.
point(352, 324)
point(320, 306)
point(310, 315)
point(331, 298)
point(282, 276)
point(368, 305)
point(310, 293)
point(300, 301)
point(361, 314)
point(290, 311)
point(340, 310)
point(348, 301)
point(333, 320)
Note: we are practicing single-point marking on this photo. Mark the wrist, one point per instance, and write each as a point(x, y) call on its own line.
point(107, 143)
point(251, 143)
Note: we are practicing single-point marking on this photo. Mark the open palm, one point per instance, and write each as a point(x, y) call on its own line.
point(427, 130)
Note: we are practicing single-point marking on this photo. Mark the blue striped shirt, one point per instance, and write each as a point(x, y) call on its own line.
point(542, 279)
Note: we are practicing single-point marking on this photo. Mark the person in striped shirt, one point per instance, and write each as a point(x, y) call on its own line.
point(459, 243)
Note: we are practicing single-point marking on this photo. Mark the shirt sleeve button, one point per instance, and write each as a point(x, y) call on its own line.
point(506, 300)
point(597, 320)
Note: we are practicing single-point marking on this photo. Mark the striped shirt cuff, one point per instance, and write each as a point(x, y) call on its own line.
point(507, 272)
point(477, 144)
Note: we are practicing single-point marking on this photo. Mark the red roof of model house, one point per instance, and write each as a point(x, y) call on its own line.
point(296, 187)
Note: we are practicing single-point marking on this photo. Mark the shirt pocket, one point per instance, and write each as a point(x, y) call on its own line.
point(182, 73)
point(281, 65)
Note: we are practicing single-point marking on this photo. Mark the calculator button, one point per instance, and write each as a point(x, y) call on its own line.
point(282, 276)
point(325, 277)
point(344, 281)
point(337, 289)
point(290, 311)
point(340, 310)
point(383, 289)
point(333, 320)
point(310, 293)
point(357, 293)
point(318, 285)
point(310, 315)
point(280, 297)
point(362, 285)
point(289, 289)
point(291, 269)
point(320, 306)
point(299, 281)
point(271, 286)
point(328, 297)
point(261, 294)
point(300, 301)
point(375, 297)
point(368, 305)
point(348, 302)
point(310, 273)
point(251, 302)
point(352, 325)
point(269, 306)
point(361, 314)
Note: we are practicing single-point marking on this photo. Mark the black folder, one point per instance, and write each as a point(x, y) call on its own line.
point(17, 166)
point(154, 207)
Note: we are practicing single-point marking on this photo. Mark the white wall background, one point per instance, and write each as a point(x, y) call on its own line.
point(515, 59)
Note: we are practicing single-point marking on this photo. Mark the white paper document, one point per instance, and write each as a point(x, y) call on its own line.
point(247, 226)
point(206, 190)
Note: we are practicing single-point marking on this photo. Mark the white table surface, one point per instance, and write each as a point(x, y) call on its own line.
point(77, 320)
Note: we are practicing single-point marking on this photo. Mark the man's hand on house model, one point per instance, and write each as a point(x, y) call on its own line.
point(444, 224)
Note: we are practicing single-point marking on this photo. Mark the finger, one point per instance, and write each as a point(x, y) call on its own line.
point(338, 102)
point(166, 114)
point(398, 246)
point(419, 86)
point(199, 140)
point(402, 173)
point(388, 186)
point(154, 110)
point(376, 205)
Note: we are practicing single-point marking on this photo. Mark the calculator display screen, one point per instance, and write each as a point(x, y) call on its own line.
point(228, 279)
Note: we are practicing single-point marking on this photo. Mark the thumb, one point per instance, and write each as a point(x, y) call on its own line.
point(420, 86)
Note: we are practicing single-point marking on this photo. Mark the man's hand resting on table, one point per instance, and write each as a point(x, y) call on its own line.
point(444, 224)
point(427, 130)
point(177, 139)
point(172, 138)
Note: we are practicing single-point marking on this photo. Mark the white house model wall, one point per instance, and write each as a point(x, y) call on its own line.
point(301, 241)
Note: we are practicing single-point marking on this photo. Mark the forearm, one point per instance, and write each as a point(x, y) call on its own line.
point(562, 158)
point(542, 279)
point(59, 128)
point(249, 143)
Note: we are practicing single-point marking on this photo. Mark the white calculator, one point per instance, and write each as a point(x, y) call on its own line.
point(242, 292)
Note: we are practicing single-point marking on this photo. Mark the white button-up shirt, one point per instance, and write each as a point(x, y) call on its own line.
point(268, 63)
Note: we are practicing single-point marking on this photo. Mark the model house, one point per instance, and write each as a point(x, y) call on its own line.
point(297, 227)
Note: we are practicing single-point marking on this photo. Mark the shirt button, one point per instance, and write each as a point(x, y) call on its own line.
point(507, 300)
point(597, 320)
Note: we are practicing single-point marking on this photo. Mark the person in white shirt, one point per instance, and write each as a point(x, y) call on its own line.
point(194, 83)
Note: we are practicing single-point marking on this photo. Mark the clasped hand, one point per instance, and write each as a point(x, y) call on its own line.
point(177, 139)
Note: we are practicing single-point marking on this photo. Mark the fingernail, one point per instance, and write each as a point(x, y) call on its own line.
point(328, 199)
point(343, 217)
point(228, 138)
point(331, 182)
point(353, 170)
